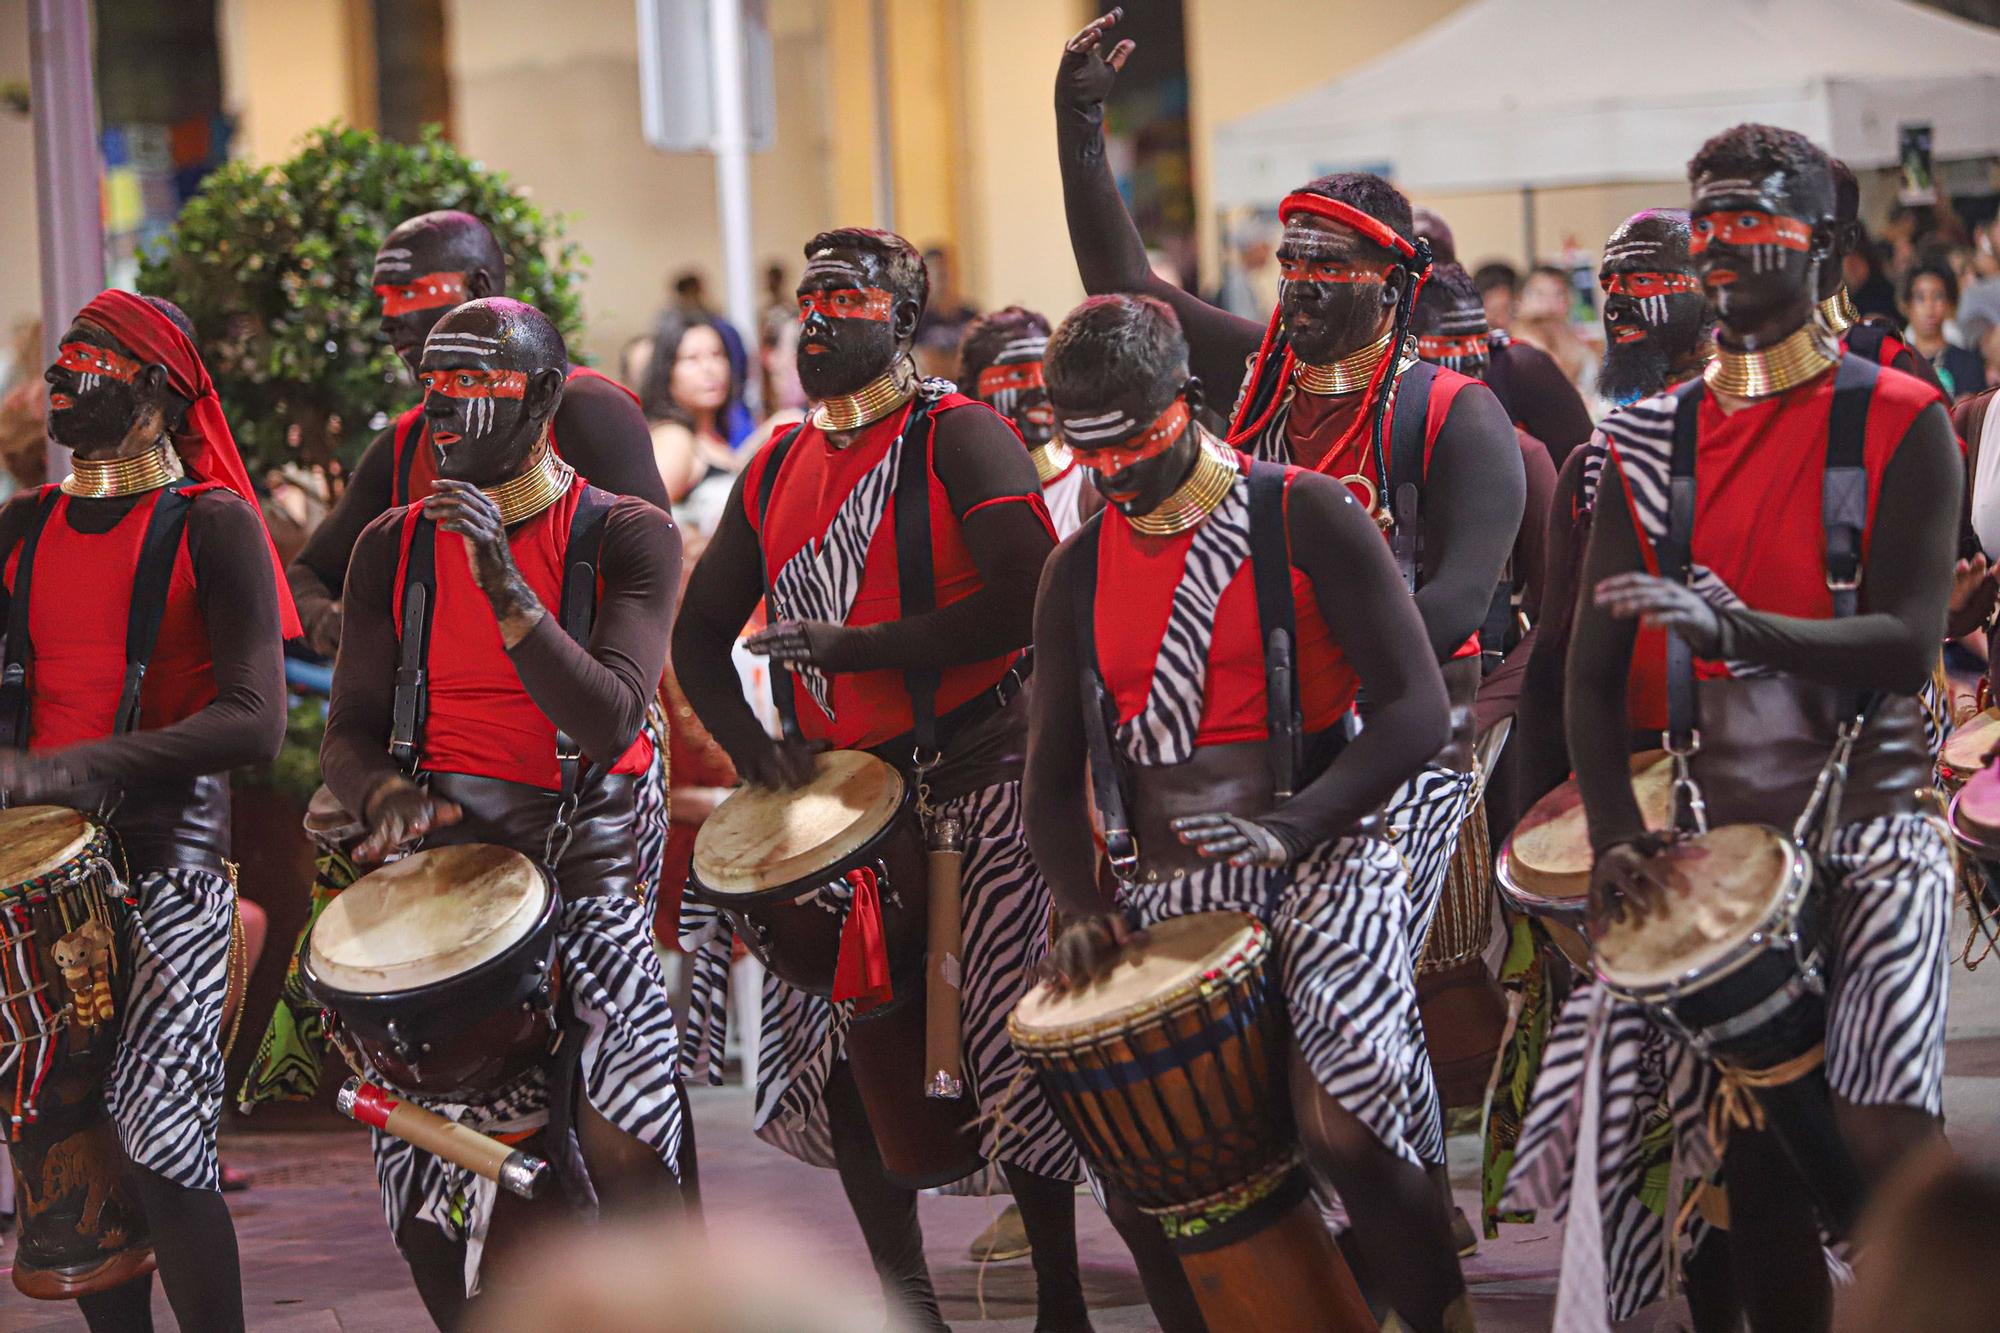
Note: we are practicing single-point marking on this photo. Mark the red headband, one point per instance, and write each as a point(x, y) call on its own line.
point(203, 441)
point(1376, 230)
point(1156, 439)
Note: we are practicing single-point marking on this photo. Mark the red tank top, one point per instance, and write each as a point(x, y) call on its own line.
point(81, 595)
point(1333, 431)
point(415, 471)
point(1137, 577)
point(480, 717)
point(1759, 524)
point(815, 484)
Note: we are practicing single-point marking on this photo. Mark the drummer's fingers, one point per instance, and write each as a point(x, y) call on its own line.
point(1121, 53)
point(1087, 37)
point(444, 814)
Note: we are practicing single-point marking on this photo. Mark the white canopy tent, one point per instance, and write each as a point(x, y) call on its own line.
point(1522, 94)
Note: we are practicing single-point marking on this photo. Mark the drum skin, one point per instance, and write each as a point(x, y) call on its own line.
point(1966, 748)
point(1177, 1097)
point(82, 1230)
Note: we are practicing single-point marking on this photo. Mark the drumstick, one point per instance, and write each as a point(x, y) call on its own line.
point(944, 1074)
point(375, 1106)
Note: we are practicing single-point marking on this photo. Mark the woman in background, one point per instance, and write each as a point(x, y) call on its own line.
point(1542, 319)
point(1930, 302)
point(691, 394)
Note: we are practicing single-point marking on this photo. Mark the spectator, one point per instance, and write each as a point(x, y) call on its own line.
point(1498, 285)
point(690, 301)
point(1979, 301)
point(1930, 300)
point(1542, 319)
point(689, 389)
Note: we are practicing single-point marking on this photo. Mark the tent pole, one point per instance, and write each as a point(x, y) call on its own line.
point(71, 224)
point(1528, 225)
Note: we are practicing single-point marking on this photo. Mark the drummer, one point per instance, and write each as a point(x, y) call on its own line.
point(1000, 364)
point(505, 681)
point(129, 395)
point(1768, 613)
point(1180, 652)
point(866, 670)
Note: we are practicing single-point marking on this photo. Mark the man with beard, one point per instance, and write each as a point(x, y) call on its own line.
point(1756, 489)
point(495, 725)
point(1000, 364)
point(426, 266)
point(1190, 726)
point(1442, 477)
point(158, 514)
point(925, 674)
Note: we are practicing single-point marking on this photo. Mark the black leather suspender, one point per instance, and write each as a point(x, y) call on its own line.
point(916, 582)
point(20, 649)
point(782, 684)
point(1100, 722)
point(1277, 623)
point(1405, 482)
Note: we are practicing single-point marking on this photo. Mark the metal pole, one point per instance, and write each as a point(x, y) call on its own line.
point(732, 165)
point(1528, 225)
point(64, 112)
point(885, 144)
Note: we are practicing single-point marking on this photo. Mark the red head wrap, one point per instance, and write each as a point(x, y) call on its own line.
point(204, 442)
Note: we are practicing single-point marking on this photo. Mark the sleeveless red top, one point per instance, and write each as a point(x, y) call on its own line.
point(481, 719)
point(421, 468)
point(1759, 523)
point(80, 599)
point(1332, 430)
point(1136, 579)
point(868, 707)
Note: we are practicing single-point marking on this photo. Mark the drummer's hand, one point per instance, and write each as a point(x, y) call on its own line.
point(1087, 71)
point(1085, 951)
point(1231, 838)
point(1664, 604)
point(461, 507)
point(398, 813)
point(1974, 590)
point(781, 764)
point(27, 778)
point(1627, 880)
point(816, 643)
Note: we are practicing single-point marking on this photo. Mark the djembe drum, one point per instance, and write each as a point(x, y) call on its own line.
point(839, 865)
point(62, 997)
point(1170, 1074)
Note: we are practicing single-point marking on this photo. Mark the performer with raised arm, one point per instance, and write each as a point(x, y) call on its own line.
point(1442, 474)
point(1000, 364)
point(1177, 645)
point(478, 754)
point(1748, 503)
point(157, 518)
point(922, 670)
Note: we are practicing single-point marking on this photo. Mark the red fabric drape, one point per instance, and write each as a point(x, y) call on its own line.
point(861, 972)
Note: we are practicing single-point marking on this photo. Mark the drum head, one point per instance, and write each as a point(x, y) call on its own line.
point(1726, 885)
point(1965, 748)
point(424, 919)
point(35, 839)
point(759, 838)
point(1548, 855)
point(1177, 953)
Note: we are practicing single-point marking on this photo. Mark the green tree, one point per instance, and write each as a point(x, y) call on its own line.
point(273, 264)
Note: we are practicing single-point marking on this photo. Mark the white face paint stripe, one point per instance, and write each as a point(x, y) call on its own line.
point(1733, 185)
point(462, 340)
point(1022, 349)
point(1089, 430)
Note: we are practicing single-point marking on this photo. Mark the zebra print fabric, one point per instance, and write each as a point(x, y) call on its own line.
point(1341, 924)
point(649, 812)
point(614, 996)
point(1887, 950)
point(1164, 730)
point(165, 1089)
point(820, 581)
point(1005, 919)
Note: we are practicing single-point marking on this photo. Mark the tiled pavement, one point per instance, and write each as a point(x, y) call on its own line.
point(318, 1258)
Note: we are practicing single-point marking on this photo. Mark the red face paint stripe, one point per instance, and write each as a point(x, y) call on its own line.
point(1151, 442)
point(1440, 347)
point(1650, 284)
point(1301, 270)
point(476, 383)
point(1019, 376)
point(848, 303)
point(425, 293)
point(1741, 226)
point(90, 359)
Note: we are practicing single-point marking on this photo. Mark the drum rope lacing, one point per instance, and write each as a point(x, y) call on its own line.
point(1735, 1105)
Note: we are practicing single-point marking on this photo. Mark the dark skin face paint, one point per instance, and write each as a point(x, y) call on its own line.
point(1652, 330)
point(93, 413)
point(1140, 487)
point(431, 252)
point(840, 355)
point(1762, 290)
point(1326, 321)
point(483, 433)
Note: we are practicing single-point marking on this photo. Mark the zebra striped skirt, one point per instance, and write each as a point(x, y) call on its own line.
point(614, 998)
point(1005, 921)
point(1608, 1073)
point(165, 1089)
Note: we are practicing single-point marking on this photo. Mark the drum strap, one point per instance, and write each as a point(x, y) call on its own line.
point(1844, 513)
point(20, 651)
point(782, 697)
point(916, 582)
point(1407, 442)
point(1277, 621)
point(1107, 775)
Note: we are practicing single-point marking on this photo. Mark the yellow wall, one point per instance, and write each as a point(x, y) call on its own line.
point(1489, 226)
point(291, 65)
point(555, 102)
point(20, 262)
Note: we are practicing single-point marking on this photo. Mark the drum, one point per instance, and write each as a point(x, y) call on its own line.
point(62, 996)
point(1974, 811)
point(439, 970)
point(1966, 748)
point(777, 865)
point(1544, 867)
point(1170, 1074)
point(1730, 961)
